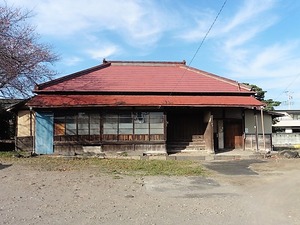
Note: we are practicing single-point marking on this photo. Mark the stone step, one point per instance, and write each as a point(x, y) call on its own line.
point(194, 148)
point(186, 147)
point(189, 140)
point(196, 137)
point(196, 144)
point(185, 151)
point(187, 143)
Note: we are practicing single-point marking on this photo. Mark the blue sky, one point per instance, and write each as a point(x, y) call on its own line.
point(252, 41)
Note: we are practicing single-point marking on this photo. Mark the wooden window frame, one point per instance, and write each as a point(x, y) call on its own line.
point(102, 137)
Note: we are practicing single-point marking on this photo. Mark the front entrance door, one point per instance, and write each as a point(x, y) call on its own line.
point(233, 134)
point(44, 133)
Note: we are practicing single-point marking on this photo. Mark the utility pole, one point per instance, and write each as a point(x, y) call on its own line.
point(289, 102)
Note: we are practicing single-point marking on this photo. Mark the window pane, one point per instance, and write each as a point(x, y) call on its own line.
point(141, 123)
point(94, 124)
point(156, 117)
point(70, 125)
point(83, 124)
point(125, 118)
point(126, 124)
point(156, 123)
point(156, 131)
point(110, 124)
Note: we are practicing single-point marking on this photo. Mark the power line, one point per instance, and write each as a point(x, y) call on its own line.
point(293, 81)
point(203, 39)
point(208, 32)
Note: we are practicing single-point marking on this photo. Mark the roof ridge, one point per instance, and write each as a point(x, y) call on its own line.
point(163, 63)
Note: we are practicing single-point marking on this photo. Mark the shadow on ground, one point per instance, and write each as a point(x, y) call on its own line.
point(4, 166)
point(241, 167)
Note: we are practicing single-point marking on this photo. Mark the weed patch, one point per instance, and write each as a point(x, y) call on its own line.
point(111, 166)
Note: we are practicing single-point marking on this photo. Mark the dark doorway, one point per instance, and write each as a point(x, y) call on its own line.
point(184, 126)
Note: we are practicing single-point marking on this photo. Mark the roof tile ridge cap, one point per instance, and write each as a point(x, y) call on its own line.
point(147, 63)
point(41, 86)
point(217, 77)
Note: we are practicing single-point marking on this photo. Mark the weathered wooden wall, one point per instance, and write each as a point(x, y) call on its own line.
point(24, 143)
point(250, 142)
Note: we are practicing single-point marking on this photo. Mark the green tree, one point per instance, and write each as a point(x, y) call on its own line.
point(260, 95)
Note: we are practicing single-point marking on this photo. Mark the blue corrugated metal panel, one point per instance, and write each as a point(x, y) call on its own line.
point(44, 133)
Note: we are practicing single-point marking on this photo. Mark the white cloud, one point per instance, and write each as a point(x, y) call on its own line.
point(100, 53)
point(250, 11)
point(72, 61)
point(244, 35)
point(271, 64)
point(200, 25)
point(137, 22)
point(241, 55)
point(245, 23)
point(271, 61)
point(274, 56)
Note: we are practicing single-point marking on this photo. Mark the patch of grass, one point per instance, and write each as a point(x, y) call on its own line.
point(152, 167)
point(115, 166)
point(7, 154)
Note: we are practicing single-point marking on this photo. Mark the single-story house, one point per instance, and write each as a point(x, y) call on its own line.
point(140, 108)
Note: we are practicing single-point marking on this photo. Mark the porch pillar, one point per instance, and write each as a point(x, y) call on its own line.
point(209, 133)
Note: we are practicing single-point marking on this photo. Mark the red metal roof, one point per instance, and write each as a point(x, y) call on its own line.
point(141, 77)
point(46, 101)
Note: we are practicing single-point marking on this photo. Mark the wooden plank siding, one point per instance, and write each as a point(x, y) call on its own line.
point(108, 138)
point(233, 134)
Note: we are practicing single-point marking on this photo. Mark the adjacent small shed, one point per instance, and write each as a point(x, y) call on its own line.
point(7, 124)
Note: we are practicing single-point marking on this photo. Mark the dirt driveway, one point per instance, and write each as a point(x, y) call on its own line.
point(234, 192)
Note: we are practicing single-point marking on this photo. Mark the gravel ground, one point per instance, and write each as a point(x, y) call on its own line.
point(267, 195)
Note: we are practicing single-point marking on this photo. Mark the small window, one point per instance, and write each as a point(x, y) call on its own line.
point(71, 125)
point(125, 124)
point(110, 124)
point(141, 123)
point(94, 124)
point(156, 123)
point(83, 124)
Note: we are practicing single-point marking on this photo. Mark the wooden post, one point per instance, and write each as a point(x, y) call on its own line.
point(209, 133)
point(263, 127)
point(256, 129)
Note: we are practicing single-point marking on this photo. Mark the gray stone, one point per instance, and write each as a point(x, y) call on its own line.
point(289, 154)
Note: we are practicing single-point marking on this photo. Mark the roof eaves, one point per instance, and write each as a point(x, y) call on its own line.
point(275, 114)
point(20, 104)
